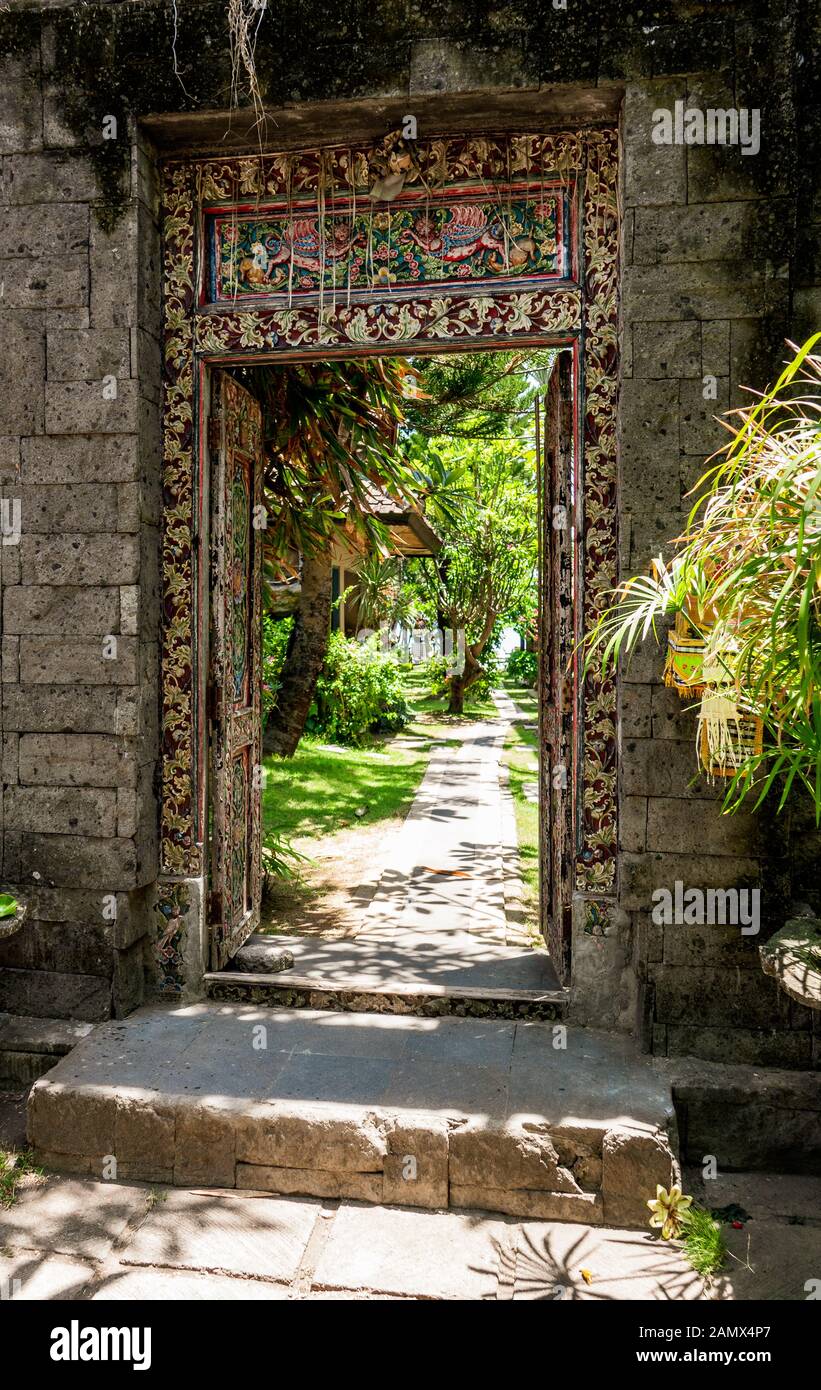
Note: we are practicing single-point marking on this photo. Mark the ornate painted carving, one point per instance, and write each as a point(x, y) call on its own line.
point(421, 240)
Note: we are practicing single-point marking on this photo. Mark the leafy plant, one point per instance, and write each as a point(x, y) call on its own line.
point(13, 1167)
point(8, 905)
point(359, 691)
point(523, 666)
point(279, 858)
point(436, 670)
point(703, 1242)
point(747, 573)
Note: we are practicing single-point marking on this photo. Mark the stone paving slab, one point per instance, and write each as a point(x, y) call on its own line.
point(550, 1259)
point(68, 1216)
point(35, 1277)
point(390, 1250)
point(220, 1232)
point(174, 1286)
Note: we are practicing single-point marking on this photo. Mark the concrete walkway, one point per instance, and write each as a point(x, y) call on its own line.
point(68, 1238)
point(445, 913)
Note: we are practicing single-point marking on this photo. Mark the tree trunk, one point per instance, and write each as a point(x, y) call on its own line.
point(473, 668)
point(304, 658)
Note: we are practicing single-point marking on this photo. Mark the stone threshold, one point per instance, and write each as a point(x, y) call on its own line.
point(364, 996)
point(414, 1112)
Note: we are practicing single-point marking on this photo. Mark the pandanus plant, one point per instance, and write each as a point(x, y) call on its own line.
point(747, 575)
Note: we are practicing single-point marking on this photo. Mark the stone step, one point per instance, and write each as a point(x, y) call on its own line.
point(528, 1118)
point(375, 975)
point(751, 1118)
point(29, 1047)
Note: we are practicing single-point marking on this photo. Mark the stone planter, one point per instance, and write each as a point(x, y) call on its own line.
point(10, 925)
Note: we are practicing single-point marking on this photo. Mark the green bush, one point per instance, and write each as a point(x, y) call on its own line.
point(275, 634)
point(359, 692)
point(523, 667)
point(435, 671)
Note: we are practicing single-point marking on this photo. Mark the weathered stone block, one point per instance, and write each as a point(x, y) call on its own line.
point(49, 178)
point(84, 660)
point(80, 861)
point(715, 347)
point(642, 873)
point(81, 407)
point(70, 948)
point(667, 771)
point(55, 994)
point(701, 432)
point(44, 284)
point(667, 349)
point(77, 507)
point(733, 998)
point(69, 709)
point(696, 233)
point(54, 610)
point(79, 559)
point(719, 290)
point(653, 174)
point(634, 1163)
point(416, 1164)
point(755, 1047)
point(60, 810)
point(88, 355)
point(585, 1207)
point(633, 823)
point(22, 374)
point(685, 829)
point(76, 1119)
point(57, 231)
point(21, 123)
point(506, 1158)
point(81, 459)
point(310, 1182)
point(204, 1147)
point(77, 760)
point(306, 1138)
point(144, 1143)
point(446, 65)
point(635, 710)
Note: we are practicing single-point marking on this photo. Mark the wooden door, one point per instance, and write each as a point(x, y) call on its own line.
point(234, 708)
point(556, 675)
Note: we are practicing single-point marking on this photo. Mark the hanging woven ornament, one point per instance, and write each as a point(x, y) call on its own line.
point(728, 733)
point(683, 669)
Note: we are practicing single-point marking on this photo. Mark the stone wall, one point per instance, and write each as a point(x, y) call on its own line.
point(79, 452)
point(718, 267)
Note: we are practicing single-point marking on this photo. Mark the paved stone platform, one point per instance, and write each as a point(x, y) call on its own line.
point(68, 1238)
point(531, 1119)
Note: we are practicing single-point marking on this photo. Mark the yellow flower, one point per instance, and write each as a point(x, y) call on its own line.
point(670, 1211)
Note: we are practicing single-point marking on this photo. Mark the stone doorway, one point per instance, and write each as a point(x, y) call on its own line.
point(210, 320)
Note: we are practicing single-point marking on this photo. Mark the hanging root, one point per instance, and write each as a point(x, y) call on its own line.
point(244, 19)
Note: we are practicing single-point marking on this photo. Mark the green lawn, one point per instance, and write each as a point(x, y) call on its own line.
point(321, 788)
point(430, 717)
point(521, 758)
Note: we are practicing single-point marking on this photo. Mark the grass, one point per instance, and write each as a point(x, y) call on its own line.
point(321, 789)
point(430, 716)
point(13, 1167)
point(520, 756)
point(703, 1242)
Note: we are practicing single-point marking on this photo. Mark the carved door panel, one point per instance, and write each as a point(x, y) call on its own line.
point(556, 674)
point(234, 692)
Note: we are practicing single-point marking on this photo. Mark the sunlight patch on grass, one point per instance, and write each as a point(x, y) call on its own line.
point(321, 788)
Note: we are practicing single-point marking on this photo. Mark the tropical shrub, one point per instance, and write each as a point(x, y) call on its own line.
point(523, 666)
point(747, 577)
point(275, 634)
point(436, 670)
point(359, 691)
